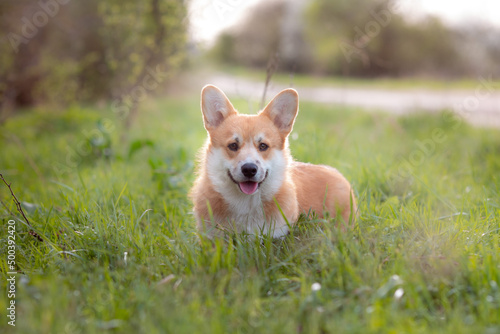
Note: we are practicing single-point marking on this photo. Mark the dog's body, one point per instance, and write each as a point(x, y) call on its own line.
point(246, 170)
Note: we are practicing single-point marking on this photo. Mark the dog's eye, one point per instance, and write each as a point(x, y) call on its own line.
point(263, 147)
point(233, 146)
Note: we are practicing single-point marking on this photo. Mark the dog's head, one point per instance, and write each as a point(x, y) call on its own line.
point(247, 153)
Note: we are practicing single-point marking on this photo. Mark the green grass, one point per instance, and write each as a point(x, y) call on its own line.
point(405, 83)
point(424, 256)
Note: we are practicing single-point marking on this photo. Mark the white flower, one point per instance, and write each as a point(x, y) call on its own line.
point(399, 293)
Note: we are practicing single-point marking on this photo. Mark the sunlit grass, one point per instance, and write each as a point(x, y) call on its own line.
point(307, 80)
point(121, 252)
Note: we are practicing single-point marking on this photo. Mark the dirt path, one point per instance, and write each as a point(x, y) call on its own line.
point(480, 107)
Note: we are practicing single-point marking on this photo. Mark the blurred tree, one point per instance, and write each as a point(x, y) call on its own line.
point(272, 27)
point(366, 38)
point(370, 38)
point(61, 51)
point(142, 50)
point(480, 46)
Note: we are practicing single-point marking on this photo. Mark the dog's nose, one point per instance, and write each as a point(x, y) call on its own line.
point(249, 169)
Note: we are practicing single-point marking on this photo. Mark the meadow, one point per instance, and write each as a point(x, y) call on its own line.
point(121, 254)
point(423, 82)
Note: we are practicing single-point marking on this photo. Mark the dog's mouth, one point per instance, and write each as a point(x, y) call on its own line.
point(247, 187)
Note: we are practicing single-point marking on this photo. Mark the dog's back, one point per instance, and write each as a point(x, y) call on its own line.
point(323, 189)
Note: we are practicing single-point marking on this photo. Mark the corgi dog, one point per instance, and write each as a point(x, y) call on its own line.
point(247, 180)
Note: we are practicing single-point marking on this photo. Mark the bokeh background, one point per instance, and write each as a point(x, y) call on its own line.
point(62, 52)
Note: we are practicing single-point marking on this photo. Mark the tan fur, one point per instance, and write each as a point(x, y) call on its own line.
point(323, 189)
point(303, 188)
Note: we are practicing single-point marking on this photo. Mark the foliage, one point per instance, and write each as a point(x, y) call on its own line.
point(256, 39)
point(270, 27)
point(86, 50)
point(378, 41)
point(122, 254)
point(358, 38)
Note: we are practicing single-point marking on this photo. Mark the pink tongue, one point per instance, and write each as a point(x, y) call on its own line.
point(248, 187)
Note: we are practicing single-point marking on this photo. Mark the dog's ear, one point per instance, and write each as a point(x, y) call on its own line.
point(215, 107)
point(283, 109)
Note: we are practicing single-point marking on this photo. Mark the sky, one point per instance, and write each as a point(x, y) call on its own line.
point(209, 17)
